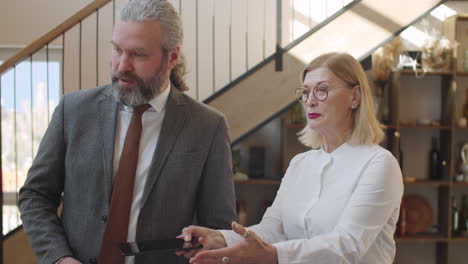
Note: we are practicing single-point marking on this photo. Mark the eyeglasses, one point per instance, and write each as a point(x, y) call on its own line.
point(320, 93)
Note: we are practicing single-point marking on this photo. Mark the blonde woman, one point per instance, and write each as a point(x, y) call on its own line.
point(337, 203)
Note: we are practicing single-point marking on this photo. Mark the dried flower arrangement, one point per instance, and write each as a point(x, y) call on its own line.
point(437, 54)
point(384, 59)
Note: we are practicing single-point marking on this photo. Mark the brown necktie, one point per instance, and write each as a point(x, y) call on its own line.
point(122, 194)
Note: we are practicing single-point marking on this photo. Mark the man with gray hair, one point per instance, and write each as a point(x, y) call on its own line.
point(131, 161)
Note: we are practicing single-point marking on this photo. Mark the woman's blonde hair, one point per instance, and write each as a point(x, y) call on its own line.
point(366, 127)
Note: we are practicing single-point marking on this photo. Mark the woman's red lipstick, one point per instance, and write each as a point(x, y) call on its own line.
point(313, 115)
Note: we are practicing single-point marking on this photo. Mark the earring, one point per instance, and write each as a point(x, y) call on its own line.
point(353, 106)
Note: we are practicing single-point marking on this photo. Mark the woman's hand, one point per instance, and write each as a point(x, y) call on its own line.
point(209, 238)
point(68, 260)
point(250, 251)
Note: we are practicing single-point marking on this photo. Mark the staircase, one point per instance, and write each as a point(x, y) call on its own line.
point(249, 78)
point(265, 93)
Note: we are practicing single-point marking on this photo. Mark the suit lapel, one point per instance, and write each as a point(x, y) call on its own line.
point(173, 122)
point(108, 113)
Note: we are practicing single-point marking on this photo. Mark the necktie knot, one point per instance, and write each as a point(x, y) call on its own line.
point(141, 108)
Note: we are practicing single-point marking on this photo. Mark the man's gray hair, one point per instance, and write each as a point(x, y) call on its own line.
point(172, 30)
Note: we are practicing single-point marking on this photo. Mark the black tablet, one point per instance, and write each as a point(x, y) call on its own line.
point(158, 246)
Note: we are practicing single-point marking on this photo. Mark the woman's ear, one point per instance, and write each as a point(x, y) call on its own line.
point(356, 100)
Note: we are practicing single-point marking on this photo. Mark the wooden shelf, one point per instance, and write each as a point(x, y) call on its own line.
point(424, 126)
point(420, 72)
point(460, 184)
point(462, 73)
point(425, 182)
point(387, 127)
point(423, 238)
point(258, 181)
point(459, 239)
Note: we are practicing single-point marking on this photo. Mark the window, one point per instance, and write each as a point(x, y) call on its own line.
point(29, 93)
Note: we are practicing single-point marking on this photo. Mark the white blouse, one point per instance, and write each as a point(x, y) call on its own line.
point(339, 207)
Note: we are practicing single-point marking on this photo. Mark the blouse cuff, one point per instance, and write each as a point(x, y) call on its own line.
point(282, 253)
point(231, 237)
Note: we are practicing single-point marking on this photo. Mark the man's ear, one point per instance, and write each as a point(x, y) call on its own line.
point(173, 58)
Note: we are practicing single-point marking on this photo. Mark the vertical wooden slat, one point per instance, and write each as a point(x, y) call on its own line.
point(293, 19)
point(97, 47)
point(190, 49)
point(279, 36)
point(213, 43)
point(205, 48)
point(239, 10)
point(247, 35)
point(255, 32)
point(1, 174)
point(270, 27)
point(113, 12)
point(72, 60)
point(104, 48)
point(221, 43)
point(318, 12)
point(62, 85)
point(333, 6)
point(301, 21)
point(48, 84)
point(286, 18)
point(89, 52)
point(230, 40)
point(15, 131)
point(80, 57)
point(264, 29)
point(197, 59)
point(32, 105)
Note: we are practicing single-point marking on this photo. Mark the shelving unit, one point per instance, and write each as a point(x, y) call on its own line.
point(416, 140)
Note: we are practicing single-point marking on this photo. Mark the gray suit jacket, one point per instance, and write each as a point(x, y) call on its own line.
point(190, 175)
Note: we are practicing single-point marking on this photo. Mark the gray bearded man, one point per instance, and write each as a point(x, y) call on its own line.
point(135, 160)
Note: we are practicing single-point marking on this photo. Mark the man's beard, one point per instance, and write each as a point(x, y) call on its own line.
point(144, 91)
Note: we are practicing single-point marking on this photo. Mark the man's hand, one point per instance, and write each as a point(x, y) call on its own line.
point(209, 238)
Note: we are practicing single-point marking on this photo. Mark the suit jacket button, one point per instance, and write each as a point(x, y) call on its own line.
point(104, 218)
point(92, 261)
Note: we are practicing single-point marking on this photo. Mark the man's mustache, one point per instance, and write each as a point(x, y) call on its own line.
point(124, 75)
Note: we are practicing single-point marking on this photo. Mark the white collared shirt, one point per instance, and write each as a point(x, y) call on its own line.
point(339, 207)
point(152, 122)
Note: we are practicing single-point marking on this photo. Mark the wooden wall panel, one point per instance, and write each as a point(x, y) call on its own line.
point(205, 48)
point(222, 51)
point(188, 12)
point(239, 30)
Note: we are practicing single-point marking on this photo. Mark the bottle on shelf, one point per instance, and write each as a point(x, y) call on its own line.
point(464, 216)
point(435, 161)
point(465, 106)
point(401, 224)
point(455, 217)
point(241, 212)
point(465, 61)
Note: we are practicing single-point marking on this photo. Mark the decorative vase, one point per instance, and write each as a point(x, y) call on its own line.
point(382, 97)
